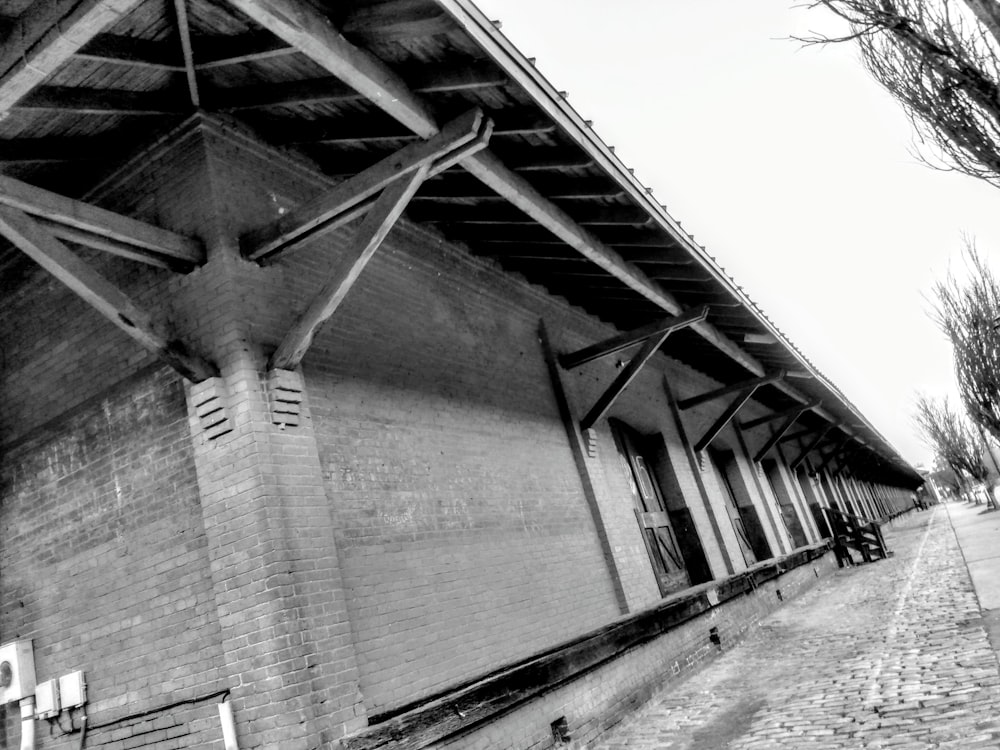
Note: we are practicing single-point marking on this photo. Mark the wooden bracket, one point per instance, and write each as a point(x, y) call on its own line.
point(631, 338)
point(813, 444)
point(99, 293)
point(755, 383)
point(76, 221)
point(458, 139)
point(797, 410)
point(839, 449)
point(792, 416)
point(734, 406)
point(803, 433)
point(347, 267)
point(652, 343)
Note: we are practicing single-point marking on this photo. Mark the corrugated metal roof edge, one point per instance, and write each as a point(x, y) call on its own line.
point(470, 18)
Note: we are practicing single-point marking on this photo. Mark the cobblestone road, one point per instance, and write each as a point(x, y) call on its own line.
point(887, 655)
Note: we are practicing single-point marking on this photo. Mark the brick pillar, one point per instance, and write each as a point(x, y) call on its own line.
point(270, 528)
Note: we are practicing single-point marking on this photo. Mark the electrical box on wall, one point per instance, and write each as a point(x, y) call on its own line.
point(17, 671)
point(47, 699)
point(72, 690)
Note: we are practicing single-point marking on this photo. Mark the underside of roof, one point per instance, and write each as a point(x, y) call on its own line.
point(84, 85)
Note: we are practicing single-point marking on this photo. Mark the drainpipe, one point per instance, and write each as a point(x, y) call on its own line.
point(228, 726)
point(28, 723)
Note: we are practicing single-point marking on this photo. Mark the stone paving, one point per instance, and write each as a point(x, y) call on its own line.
point(887, 655)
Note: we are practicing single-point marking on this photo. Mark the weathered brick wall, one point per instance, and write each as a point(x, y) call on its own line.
point(465, 541)
point(103, 555)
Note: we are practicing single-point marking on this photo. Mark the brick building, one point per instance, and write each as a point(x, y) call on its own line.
point(351, 387)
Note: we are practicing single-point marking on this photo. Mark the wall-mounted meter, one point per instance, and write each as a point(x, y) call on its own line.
point(17, 671)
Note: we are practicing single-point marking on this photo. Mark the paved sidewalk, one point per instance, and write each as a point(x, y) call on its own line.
point(888, 655)
point(978, 532)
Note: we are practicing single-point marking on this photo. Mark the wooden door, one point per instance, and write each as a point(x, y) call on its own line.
point(651, 513)
point(733, 511)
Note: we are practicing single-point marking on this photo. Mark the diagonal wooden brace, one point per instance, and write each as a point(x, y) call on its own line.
point(792, 418)
point(101, 229)
point(797, 410)
point(754, 383)
point(626, 376)
point(347, 268)
point(458, 139)
point(630, 338)
point(813, 444)
point(836, 453)
point(735, 405)
point(99, 293)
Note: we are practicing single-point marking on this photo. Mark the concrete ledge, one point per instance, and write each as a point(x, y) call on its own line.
point(439, 717)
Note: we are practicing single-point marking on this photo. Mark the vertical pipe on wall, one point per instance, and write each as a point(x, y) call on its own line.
point(28, 723)
point(228, 726)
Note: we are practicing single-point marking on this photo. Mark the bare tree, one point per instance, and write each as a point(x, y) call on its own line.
point(955, 442)
point(941, 60)
point(967, 310)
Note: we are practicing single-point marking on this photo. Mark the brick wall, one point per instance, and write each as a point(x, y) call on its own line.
point(104, 556)
point(463, 533)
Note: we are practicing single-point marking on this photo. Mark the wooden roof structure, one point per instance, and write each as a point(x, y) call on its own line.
point(86, 83)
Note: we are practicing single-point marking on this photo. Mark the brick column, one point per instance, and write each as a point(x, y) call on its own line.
point(270, 527)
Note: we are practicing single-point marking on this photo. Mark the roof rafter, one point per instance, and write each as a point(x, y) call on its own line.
point(303, 26)
point(103, 101)
point(45, 36)
point(345, 201)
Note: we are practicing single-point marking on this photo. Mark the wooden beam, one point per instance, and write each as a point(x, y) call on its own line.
point(626, 376)
point(725, 418)
point(792, 417)
point(184, 32)
point(347, 268)
point(432, 79)
point(471, 129)
point(813, 444)
point(376, 129)
point(630, 338)
point(99, 293)
point(618, 236)
point(301, 25)
point(112, 49)
point(557, 187)
point(47, 34)
point(834, 454)
point(689, 403)
point(797, 410)
point(58, 149)
point(103, 101)
point(92, 220)
point(803, 433)
point(578, 448)
point(223, 51)
point(492, 214)
point(396, 19)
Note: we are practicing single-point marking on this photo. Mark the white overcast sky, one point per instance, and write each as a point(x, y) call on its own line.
point(792, 167)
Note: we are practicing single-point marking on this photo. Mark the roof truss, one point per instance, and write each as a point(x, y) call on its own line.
point(45, 36)
point(346, 201)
